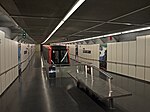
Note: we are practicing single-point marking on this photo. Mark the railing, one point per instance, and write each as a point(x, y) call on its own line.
point(98, 81)
point(15, 66)
point(92, 67)
point(129, 64)
point(114, 62)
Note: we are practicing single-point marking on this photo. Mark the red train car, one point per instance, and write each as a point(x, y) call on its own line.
point(56, 54)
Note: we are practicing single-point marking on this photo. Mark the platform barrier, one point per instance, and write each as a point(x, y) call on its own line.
point(96, 81)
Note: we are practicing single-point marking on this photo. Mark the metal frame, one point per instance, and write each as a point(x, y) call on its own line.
point(108, 76)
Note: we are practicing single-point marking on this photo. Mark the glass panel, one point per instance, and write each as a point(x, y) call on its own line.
point(64, 57)
point(55, 57)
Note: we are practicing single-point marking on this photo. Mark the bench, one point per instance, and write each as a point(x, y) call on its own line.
point(99, 87)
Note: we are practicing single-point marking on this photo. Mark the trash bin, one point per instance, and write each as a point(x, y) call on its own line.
point(52, 71)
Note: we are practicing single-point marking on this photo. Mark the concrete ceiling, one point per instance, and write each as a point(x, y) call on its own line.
point(95, 17)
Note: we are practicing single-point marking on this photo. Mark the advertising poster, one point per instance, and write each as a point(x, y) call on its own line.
point(103, 56)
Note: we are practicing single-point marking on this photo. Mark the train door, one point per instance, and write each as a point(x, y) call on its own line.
point(64, 57)
point(60, 56)
point(55, 57)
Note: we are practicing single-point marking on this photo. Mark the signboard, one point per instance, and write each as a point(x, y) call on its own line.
point(103, 56)
point(86, 51)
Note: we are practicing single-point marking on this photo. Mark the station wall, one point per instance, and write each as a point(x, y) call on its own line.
point(72, 51)
point(86, 53)
point(130, 58)
point(27, 50)
point(8, 60)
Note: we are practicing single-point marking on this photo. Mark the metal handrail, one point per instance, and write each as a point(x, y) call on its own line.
point(14, 66)
point(129, 64)
point(109, 77)
point(115, 62)
point(102, 71)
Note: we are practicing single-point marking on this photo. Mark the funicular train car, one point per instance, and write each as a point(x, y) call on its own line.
point(56, 54)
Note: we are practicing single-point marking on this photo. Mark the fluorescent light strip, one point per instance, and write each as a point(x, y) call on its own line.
point(136, 30)
point(74, 8)
point(113, 34)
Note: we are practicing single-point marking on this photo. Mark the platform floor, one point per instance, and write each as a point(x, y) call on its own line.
point(140, 99)
point(33, 92)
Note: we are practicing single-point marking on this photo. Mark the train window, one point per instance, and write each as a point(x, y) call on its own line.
point(55, 57)
point(64, 56)
point(60, 57)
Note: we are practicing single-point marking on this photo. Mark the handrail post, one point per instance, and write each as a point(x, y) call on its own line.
point(110, 87)
point(111, 103)
point(85, 71)
point(77, 69)
point(92, 75)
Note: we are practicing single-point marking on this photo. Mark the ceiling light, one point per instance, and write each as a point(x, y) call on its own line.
point(136, 30)
point(113, 34)
point(74, 8)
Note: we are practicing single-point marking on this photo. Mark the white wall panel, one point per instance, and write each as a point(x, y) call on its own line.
point(72, 51)
point(96, 48)
point(114, 52)
point(132, 52)
point(9, 53)
point(125, 70)
point(140, 72)
point(16, 72)
point(114, 67)
point(12, 60)
point(2, 53)
point(141, 50)
point(109, 52)
point(147, 50)
point(1, 60)
point(125, 52)
point(8, 59)
point(132, 71)
point(119, 68)
point(94, 51)
point(109, 66)
point(6, 54)
point(5, 63)
point(0, 66)
point(147, 74)
point(119, 52)
point(11, 64)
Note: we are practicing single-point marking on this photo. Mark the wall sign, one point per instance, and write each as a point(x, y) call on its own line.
point(86, 51)
point(25, 52)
